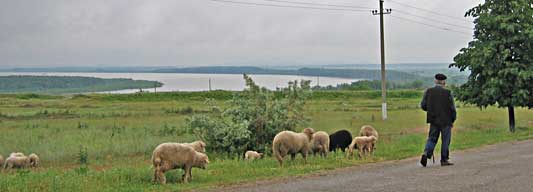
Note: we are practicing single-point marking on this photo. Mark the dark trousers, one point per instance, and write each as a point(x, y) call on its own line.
point(434, 131)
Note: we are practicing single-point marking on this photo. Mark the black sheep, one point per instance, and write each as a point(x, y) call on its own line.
point(340, 139)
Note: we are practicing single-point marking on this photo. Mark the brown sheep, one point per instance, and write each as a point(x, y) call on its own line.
point(320, 143)
point(252, 155)
point(197, 146)
point(368, 130)
point(288, 142)
point(168, 156)
point(363, 143)
point(34, 160)
point(16, 161)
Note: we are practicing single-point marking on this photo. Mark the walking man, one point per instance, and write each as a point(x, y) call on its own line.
point(439, 105)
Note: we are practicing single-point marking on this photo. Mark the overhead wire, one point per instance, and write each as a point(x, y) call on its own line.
point(430, 11)
point(290, 6)
point(431, 19)
point(318, 6)
point(430, 25)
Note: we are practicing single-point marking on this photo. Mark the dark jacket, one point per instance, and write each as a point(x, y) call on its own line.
point(438, 102)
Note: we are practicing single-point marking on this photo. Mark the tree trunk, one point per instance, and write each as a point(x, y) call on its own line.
point(511, 118)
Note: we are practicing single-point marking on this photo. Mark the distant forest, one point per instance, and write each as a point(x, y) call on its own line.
point(67, 84)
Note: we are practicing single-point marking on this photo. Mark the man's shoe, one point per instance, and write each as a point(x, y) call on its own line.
point(424, 160)
point(446, 163)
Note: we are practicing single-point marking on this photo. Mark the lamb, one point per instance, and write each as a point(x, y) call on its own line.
point(252, 155)
point(288, 142)
point(34, 160)
point(197, 146)
point(320, 143)
point(363, 143)
point(367, 130)
point(168, 156)
point(16, 160)
point(340, 139)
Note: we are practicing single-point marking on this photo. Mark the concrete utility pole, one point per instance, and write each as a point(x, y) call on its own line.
point(383, 78)
point(209, 84)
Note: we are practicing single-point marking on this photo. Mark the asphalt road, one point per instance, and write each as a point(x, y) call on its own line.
point(502, 167)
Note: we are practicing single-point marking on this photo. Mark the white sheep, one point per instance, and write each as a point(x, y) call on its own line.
point(363, 143)
point(16, 161)
point(252, 155)
point(168, 156)
point(368, 130)
point(197, 146)
point(34, 160)
point(288, 142)
point(320, 143)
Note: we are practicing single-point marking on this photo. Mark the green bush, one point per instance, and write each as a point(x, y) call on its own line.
point(253, 118)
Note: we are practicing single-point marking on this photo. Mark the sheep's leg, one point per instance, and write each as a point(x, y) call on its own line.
point(280, 160)
point(162, 177)
point(155, 178)
point(293, 155)
point(187, 170)
point(304, 155)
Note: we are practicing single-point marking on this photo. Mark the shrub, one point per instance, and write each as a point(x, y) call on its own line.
point(253, 118)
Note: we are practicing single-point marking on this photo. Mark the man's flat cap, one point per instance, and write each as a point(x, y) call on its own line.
point(440, 76)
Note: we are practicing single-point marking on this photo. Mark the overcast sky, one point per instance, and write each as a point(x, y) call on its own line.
point(204, 32)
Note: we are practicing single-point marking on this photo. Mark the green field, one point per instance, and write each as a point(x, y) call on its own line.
point(120, 132)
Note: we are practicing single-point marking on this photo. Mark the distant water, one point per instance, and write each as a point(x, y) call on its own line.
point(198, 82)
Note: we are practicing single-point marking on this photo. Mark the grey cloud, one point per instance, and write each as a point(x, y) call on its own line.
point(203, 32)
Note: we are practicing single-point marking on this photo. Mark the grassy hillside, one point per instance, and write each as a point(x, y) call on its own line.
point(65, 84)
point(120, 132)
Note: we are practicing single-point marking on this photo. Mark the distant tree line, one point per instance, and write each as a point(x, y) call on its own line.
point(66, 84)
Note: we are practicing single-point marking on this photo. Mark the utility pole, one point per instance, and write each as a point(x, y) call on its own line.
point(209, 84)
point(383, 78)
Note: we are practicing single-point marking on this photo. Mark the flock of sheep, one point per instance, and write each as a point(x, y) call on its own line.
point(19, 160)
point(168, 156)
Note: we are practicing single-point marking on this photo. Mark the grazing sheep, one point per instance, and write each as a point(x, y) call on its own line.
point(340, 139)
point(367, 130)
point(252, 155)
point(168, 156)
point(16, 154)
point(197, 146)
point(16, 161)
point(363, 143)
point(34, 160)
point(320, 143)
point(288, 142)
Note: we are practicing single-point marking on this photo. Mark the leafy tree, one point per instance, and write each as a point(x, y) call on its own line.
point(500, 56)
point(253, 118)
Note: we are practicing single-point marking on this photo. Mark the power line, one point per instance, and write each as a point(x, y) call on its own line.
point(430, 25)
point(289, 6)
point(431, 19)
point(320, 4)
point(430, 11)
point(351, 10)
